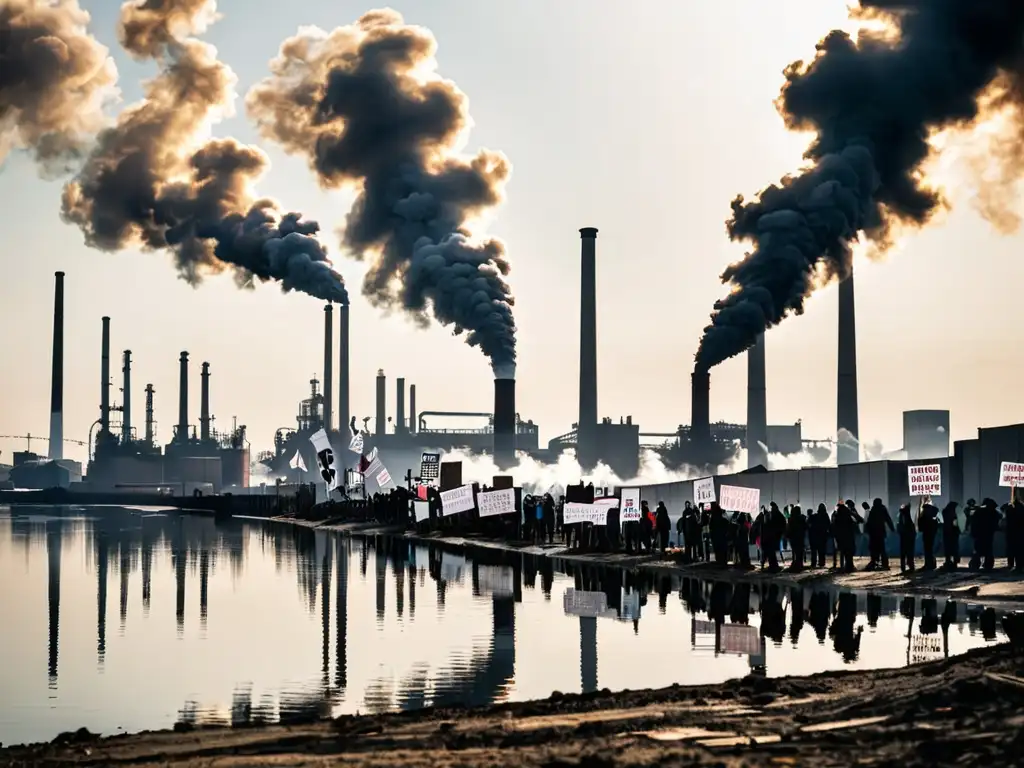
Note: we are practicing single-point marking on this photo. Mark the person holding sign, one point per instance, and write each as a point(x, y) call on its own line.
point(928, 524)
point(951, 536)
point(908, 537)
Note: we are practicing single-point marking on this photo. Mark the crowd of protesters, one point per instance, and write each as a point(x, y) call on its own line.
point(710, 533)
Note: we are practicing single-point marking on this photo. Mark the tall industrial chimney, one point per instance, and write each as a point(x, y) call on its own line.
point(400, 406)
point(505, 423)
point(847, 420)
point(126, 399)
point(382, 418)
point(757, 406)
point(57, 372)
point(204, 403)
point(700, 408)
point(105, 378)
point(343, 370)
point(182, 434)
point(150, 423)
point(585, 448)
point(329, 367)
point(412, 408)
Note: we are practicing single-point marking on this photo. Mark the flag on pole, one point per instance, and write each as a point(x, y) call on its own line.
point(297, 462)
point(325, 459)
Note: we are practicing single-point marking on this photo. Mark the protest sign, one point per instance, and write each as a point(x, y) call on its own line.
point(430, 466)
point(629, 507)
point(584, 513)
point(925, 480)
point(325, 459)
point(704, 491)
point(737, 499)
point(422, 510)
point(497, 502)
point(457, 500)
point(1011, 474)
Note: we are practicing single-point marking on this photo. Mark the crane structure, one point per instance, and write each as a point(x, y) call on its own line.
point(30, 437)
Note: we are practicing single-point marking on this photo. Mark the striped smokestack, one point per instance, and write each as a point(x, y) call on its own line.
point(847, 417)
point(757, 406)
point(57, 371)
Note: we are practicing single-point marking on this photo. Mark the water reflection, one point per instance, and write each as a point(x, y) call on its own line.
point(259, 629)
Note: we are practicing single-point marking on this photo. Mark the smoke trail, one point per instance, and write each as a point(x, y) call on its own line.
point(364, 105)
point(54, 81)
point(873, 103)
point(150, 181)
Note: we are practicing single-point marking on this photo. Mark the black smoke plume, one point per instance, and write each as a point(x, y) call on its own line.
point(55, 79)
point(874, 102)
point(365, 106)
point(152, 181)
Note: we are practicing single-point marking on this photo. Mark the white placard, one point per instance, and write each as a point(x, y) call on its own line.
point(704, 491)
point(457, 500)
point(584, 513)
point(325, 459)
point(383, 477)
point(629, 509)
point(737, 499)
point(421, 510)
point(925, 480)
point(608, 502)
point(501, 502)
point(356, 443)
point(1011, 474)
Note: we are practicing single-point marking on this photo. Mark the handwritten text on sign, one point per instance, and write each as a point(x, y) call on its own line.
point(585, 513)
point(736, 499)
point(629, 509)
point(1011, 474)
point(925, 480)
point(704, 491)
point(457, 500)
point(501, 502)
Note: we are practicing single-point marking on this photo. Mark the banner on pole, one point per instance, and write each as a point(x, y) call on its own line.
point(925, 480)
point(356, 443)
point(325, 459)
point(457, 500)
point(496, 502)
point(383, 477)
point(704, 491)
point(738, 499)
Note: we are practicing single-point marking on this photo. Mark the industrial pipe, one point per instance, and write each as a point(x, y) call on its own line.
point(505, 423)
point(757, 406)
point(382, 417)
point(400, 405)
point(412, 408)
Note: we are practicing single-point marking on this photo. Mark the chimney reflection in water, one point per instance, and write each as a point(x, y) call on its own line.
point(102, 566)
point(54, 532)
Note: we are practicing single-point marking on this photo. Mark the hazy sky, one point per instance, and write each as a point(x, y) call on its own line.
point(642, 120)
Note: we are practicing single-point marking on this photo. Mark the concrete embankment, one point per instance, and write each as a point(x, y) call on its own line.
point(997, 588)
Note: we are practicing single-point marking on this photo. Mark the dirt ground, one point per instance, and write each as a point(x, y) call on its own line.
point(966, 712)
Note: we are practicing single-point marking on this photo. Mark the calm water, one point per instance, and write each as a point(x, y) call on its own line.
point(132, 619)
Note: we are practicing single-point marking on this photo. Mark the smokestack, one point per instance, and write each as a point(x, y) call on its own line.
point(57, 373)
point(150, 424)
point(505, 423)
point(182, 435)
point(400, 406)
point(588, 347)
point(105, 378)
point(381, 421)
point(204, 403)
point(412, 409)
point(700, 408)
point(847, 451)
point(126, 399)
point(343, 369)
point(757, 406)
point(329, 367)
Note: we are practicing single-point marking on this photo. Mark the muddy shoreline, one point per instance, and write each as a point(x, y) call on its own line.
point(999, 589)
point(964, 711)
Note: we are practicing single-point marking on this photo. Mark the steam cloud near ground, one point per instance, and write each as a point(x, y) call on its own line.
point(874, 103)
point(365, 106)
point(55, 79)
point(152, 181)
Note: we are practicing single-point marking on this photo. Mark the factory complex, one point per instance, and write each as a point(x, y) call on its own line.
point(202, 460)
